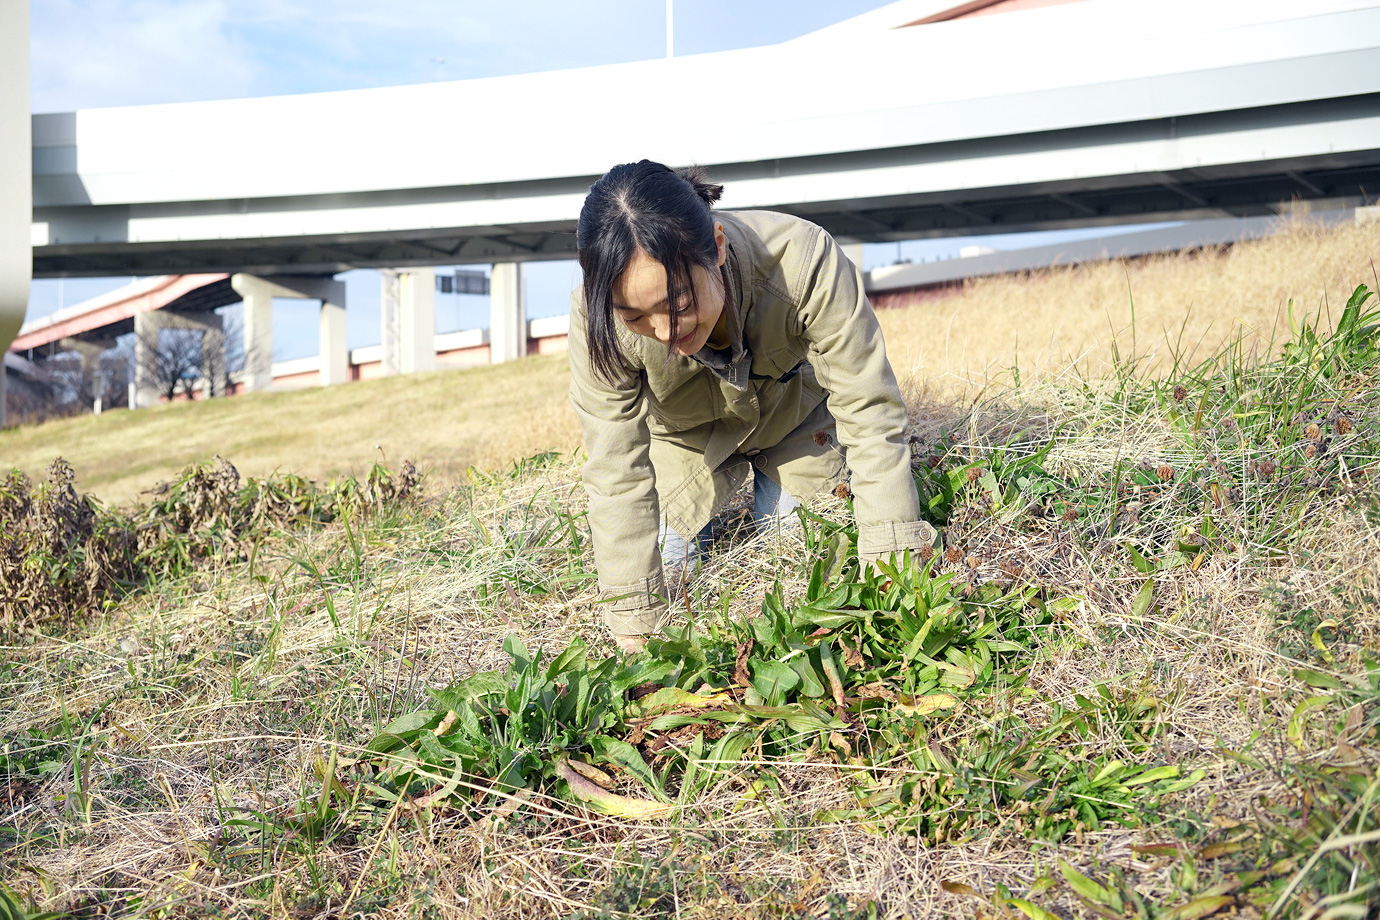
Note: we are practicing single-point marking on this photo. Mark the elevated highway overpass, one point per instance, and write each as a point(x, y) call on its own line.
point(1105, 111)
point(886, 127)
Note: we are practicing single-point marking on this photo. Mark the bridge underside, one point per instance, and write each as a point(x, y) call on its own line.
point(1260, 189)
point(1060, 198)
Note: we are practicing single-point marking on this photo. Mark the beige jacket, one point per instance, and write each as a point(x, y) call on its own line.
point(674, 437)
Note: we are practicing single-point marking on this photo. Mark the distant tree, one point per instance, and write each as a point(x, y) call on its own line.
point(170, 360)
point(232, 326)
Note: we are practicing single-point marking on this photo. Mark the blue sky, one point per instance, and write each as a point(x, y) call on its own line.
point(95, 53)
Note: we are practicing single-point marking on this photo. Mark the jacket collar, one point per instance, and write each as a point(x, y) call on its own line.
point(733, 365)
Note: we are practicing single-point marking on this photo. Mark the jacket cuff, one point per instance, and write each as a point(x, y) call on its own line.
point(636, 609)
point(878, 541)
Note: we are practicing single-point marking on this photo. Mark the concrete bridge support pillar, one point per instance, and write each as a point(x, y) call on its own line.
point(407, 319)
point(332, 345)
point(144, 390)
point(258, 330)
point(213, 354)
point(390, 322)
point(149, 368)
point(854, 251)
point(92, 383)
point(258, 294)
point(417, 309)
point(16, 180)
point(507, 313)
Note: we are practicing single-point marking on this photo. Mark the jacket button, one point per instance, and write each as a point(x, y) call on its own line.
point(760, 461)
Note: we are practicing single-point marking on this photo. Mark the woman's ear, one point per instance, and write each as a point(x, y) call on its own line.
point(720, 243)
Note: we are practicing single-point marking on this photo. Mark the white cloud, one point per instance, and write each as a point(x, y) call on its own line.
point(90, 53)
point(87, 53)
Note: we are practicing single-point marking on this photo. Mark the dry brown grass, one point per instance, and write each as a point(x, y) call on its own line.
point(444, 421)
point(213, 697)
point(221, 694)
point(1056, 320)
point(1045, 322)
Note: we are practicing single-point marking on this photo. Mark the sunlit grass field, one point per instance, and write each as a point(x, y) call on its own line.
point(1054, 323)
point(1141, 680)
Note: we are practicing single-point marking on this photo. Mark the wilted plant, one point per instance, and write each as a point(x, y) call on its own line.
point(65, 556)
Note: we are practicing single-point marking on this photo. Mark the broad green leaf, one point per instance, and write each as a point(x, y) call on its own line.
point(836, 556)
point(1151, 775)
point(384, 742)
point(642, 671)
point(810, 683)
point(917, 643)
point(571, 659)
point(831, 671)
point(413, 722)
point(471, 688)
point(1066, 604)
point(1141, 564)
point(609, 803)
point(1144, 598)
point(1174, 560)
point(516, 651)
point(817, 582)
point(612, 750)
point(989, 484)
point(1108, 769)
point(811, 723)
point(772, 679)
point(1199, 908)
point(1189, 780)
point(1318, 679)
point(668, 699)
point(1297, 720)
point(1084, 885)
point(818, 615)
point(1318, 643)
point(1034, 912)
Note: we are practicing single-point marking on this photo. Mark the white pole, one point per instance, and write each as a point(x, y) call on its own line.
point(670, 32)
point(16, 185)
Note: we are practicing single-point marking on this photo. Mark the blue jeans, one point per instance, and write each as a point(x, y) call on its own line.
point(772, 511)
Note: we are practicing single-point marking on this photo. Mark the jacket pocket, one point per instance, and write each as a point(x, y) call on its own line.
point(779, 364)
point(689, 405)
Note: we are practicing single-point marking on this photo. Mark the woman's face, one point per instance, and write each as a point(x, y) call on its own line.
point(639, 299)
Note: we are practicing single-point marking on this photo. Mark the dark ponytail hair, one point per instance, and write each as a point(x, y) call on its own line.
point(649, 207)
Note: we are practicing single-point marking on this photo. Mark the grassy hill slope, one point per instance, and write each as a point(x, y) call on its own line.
point(1047, 323)
point(1141, 681)
point(444, 421)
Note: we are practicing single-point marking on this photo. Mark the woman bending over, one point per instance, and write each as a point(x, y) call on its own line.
point(705, 346)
